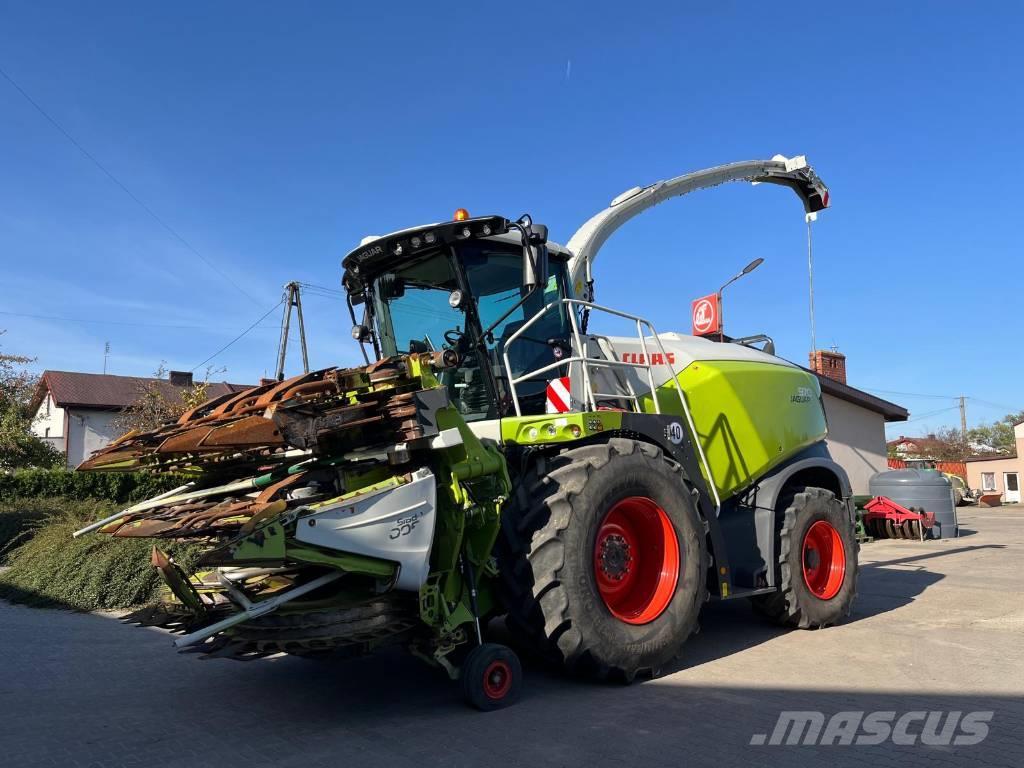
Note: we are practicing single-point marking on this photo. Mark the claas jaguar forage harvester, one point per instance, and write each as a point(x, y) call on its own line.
point(497, 455)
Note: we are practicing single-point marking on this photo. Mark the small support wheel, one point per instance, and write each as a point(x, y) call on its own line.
point(491, 677)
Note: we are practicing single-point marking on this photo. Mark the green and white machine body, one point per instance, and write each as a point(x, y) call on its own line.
point(516, 310)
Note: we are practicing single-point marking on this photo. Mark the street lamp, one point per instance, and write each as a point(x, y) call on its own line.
point(721, 308)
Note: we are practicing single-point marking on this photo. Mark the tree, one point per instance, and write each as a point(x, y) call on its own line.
point(19, 446)
point(997, 435)
point(948, 444)
point(159, 403)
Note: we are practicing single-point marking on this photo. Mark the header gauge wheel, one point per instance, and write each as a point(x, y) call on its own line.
point(491, 677)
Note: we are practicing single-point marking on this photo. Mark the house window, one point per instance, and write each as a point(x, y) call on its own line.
point(47, 434)
point(47, 405)
point(988, 481)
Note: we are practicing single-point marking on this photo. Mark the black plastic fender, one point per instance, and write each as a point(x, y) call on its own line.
point(816, 463)
point(748, 519)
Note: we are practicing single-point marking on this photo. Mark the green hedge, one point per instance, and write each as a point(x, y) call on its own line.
point(52, 569)
point(19, 518)
point(117, 487)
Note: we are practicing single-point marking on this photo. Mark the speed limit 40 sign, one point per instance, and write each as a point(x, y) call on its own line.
point(706, 314)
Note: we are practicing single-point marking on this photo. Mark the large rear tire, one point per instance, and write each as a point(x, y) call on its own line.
point(603, 560)
point(817, 562)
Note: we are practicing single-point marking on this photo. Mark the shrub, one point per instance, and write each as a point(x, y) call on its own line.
point(118, 487)
point(19, 517)
point(93, 572)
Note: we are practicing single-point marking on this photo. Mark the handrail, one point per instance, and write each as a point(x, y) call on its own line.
point(750, 341)
point(589, 395)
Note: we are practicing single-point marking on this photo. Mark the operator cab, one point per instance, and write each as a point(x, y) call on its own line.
point(466, 286)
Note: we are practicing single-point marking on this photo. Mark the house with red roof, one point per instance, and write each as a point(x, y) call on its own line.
point(76, 412)
point(904, 447)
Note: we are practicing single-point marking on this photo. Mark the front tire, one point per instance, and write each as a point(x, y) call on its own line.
point(491, 677)
point(603, 559)
point(817, 562)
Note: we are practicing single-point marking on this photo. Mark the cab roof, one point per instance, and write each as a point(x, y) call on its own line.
point(376, 254)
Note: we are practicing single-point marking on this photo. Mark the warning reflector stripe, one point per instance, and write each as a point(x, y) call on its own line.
point(558, 397)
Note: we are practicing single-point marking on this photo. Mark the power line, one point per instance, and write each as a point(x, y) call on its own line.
point(928, 415)
point(174, 233)
point(95, 321)
point(317, 294)
point(323, 288)
point(910, 394)
point(989, 403)
point(1008, 408)
point(239, 336)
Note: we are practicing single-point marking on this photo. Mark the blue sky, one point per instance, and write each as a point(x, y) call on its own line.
point(272, 137)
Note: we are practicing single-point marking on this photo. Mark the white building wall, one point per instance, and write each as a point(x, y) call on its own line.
point(998, 468)
point(88, 431)
point(49, 417)
point(856, 440)
point(49, 422)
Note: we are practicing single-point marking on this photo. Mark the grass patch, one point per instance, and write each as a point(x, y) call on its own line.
point(52, 569)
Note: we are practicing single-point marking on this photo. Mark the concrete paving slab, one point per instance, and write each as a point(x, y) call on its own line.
point(937, 627)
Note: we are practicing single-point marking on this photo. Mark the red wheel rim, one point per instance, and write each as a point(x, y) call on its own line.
point(636, 560)
point(824, 560)
point(497, 679)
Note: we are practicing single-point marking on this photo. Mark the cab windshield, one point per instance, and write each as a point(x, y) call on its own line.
point(412, 306)
point(414, 314)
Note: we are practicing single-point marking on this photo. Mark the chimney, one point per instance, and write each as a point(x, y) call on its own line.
point(829, 363)
point(180, 378)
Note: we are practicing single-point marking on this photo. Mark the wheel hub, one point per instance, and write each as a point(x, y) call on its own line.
point(497, 679)
point(615, 556)
point(812, 559)
point(824, 560)
point(636, 560)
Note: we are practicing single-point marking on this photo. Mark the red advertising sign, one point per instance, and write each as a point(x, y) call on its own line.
point(707, 315)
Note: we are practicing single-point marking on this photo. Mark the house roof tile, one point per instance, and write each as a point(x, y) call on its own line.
point(103, 390)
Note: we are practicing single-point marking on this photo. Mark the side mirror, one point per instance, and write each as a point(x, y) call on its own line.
point(535, 256)
point(560, 348)
point(391, 286)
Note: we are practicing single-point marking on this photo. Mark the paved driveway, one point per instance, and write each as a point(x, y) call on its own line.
point(938, 626)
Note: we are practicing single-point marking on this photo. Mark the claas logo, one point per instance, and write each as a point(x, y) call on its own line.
point(656, 358)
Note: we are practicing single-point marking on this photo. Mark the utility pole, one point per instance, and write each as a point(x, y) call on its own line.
point(963, 418)
point(106, 354)
point(292, 298)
